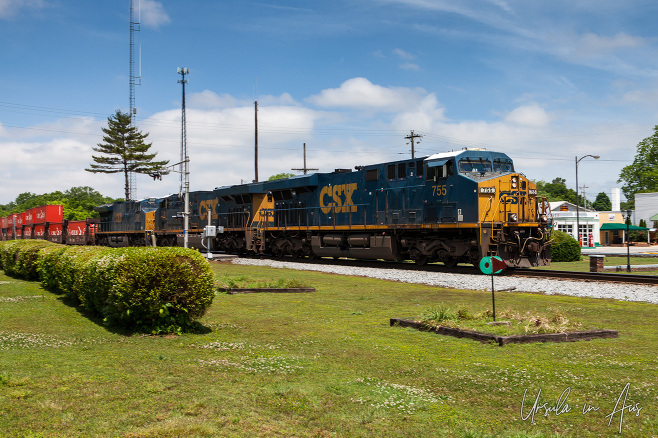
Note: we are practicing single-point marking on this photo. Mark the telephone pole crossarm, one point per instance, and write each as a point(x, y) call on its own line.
point(412, 137)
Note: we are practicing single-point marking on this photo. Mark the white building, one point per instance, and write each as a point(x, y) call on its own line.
point(565, 219)
point(646, 205)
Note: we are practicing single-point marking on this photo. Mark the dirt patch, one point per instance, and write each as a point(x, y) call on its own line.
point(585, 335)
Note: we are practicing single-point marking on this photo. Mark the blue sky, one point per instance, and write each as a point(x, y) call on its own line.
point(541, 81)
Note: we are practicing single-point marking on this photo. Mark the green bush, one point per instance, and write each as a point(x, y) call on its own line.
point(564, 248)
point(68, 267)
point(157, 290)
point(19, 258)
point(47, 266)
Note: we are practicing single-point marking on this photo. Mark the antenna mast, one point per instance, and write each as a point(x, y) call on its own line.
point(185, 161)
point(133, 80)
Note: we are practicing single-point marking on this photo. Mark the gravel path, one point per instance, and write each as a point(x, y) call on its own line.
point(480, 282)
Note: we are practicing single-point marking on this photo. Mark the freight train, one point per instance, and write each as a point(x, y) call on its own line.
point(47, 222)
point(453, 207)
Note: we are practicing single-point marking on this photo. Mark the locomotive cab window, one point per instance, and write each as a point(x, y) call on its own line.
point(372, 175)
point(474, 165)
point(435, 172)
point(503, 166)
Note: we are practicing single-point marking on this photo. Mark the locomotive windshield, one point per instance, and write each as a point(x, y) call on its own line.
point(482, 168)
point(503, 166)
point(479, 165)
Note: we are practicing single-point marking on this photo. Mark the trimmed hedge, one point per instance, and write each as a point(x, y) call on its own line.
point(156, 290)
point(18, 258)
point(564, 248)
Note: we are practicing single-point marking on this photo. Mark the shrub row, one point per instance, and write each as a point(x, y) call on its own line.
point(157, 290)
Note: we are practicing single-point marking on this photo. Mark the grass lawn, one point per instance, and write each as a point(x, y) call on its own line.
point(322, 364)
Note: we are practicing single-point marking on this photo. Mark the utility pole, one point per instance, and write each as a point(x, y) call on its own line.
point(256, 141)
point(584, 196)
point(185, 161)
point(412, 137)
point(305, 169)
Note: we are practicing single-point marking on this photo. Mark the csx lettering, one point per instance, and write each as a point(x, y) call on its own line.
point(511, 197)
point(208, 206)
point(340, 198)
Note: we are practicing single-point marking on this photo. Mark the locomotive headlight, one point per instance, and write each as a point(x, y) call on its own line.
point(514, 182)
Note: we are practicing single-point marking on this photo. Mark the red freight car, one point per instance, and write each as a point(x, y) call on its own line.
point(29, 216)
point(48, 213)
point(55, 233)
point(3, 228)
point(81, 232)
point(39, 231)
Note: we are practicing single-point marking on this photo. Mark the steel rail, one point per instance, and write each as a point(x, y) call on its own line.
point(522, 272)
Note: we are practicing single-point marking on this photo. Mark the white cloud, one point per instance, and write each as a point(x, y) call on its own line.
point(10, 7)
point(153, 13)
point(591, 44)
point(425, 116)
point(210, 99)
point(347, 132)
point(402, 54)
point(529, 115)
point(360, 93)
point(409, 66)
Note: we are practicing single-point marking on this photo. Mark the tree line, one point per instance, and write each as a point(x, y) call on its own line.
point(557, 190)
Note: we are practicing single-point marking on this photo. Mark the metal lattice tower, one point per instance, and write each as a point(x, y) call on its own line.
point(133, 80)
point(185, 162)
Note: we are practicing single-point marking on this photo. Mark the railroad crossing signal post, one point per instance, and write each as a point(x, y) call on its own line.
point(492, 265)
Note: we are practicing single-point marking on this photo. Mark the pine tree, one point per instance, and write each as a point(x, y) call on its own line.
point(125, 151)
point(602, 202)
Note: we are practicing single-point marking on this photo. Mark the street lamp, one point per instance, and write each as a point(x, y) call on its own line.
point(628, 242)
point(596, 157)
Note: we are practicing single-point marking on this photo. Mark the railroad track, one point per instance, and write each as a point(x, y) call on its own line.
point(586, 276)
point(463, 269)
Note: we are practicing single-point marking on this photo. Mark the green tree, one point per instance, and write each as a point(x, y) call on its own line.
point(556, 190)
point(78, 202)
point(602, 202)
point(642, 175)
point(283, 175)
point(124, 151)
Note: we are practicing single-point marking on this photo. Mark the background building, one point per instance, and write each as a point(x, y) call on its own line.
point(564, 219)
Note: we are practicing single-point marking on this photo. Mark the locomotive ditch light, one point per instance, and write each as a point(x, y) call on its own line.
point(512, 217)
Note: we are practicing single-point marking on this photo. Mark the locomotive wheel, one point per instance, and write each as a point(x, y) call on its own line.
point(450, 261)
point(421, 260)
point(474, 258)
point(418, 257)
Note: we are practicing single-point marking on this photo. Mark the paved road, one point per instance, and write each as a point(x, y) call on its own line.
point(647, 251)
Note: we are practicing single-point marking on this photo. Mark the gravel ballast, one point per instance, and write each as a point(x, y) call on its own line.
point(627, 292)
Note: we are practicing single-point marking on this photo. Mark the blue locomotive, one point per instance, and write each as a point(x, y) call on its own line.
point(450, 207)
